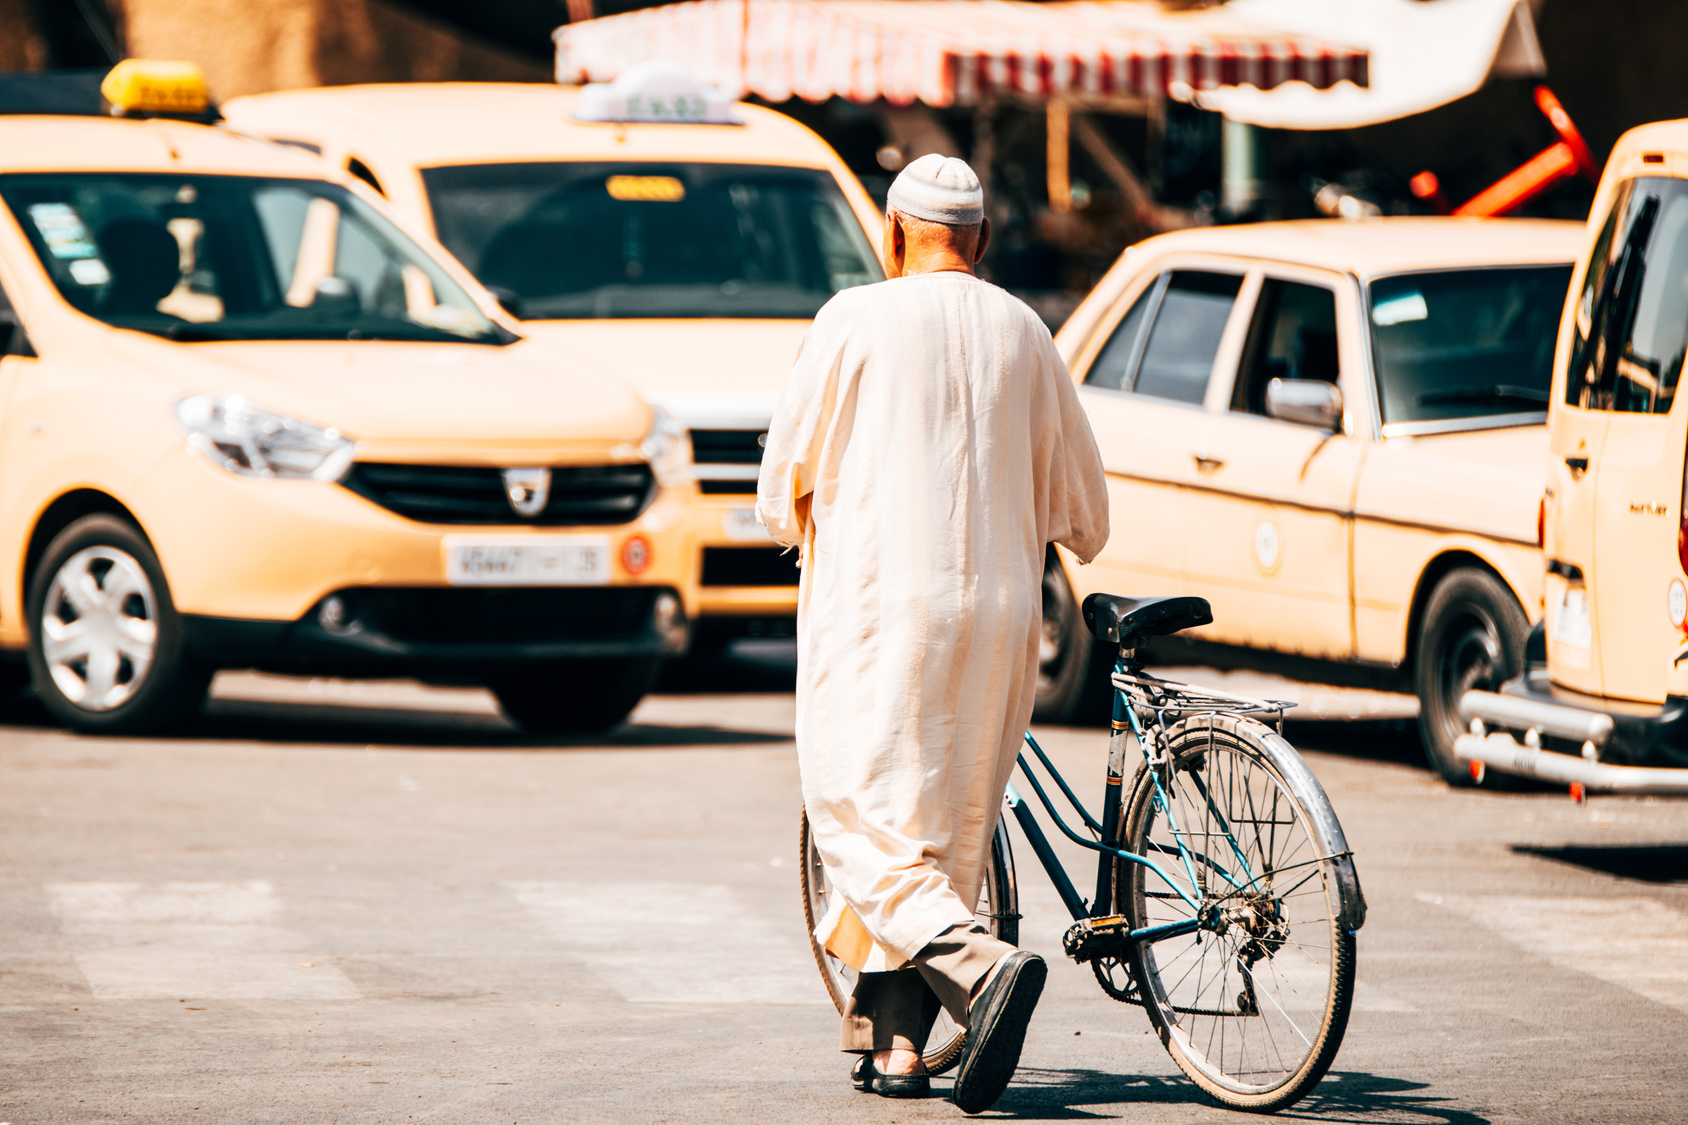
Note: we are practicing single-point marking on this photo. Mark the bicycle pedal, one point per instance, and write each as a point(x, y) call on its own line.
point(1090, 938)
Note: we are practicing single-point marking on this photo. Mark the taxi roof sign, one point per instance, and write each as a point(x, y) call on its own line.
point(145, 87)
point(657, 93)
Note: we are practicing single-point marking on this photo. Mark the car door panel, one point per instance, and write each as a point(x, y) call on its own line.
point(1270, 529)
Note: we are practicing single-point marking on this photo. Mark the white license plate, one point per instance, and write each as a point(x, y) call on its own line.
point(1571, 625)
point(529, 560)
point(739, 524)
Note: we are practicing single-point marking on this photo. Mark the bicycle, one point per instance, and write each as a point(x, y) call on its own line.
point(1226, 902)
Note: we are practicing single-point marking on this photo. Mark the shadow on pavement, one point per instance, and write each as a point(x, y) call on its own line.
point(1343, 1096)
point(743, 666)
point(1650, 863)
point(1384, 740)
point(239, 720)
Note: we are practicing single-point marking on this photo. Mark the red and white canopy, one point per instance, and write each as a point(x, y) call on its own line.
point(951, 52)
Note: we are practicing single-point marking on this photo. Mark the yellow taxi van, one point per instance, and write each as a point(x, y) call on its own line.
point(673, 236)
point(1604, 704)
point(250, 419)
point(1333, 431)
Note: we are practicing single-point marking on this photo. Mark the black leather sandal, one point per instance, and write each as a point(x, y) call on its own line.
point(865, 1076)
point(996, 1031)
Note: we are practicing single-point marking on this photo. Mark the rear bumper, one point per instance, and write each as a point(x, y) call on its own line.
point(448, 632)
point(1533, 729)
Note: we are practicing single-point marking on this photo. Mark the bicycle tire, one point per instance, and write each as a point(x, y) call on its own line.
point(998, 909)
point(1207, 1024)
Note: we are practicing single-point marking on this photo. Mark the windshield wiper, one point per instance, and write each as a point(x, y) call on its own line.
point(1499, 393)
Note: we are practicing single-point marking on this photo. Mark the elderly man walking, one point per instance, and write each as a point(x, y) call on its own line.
point(926, 449)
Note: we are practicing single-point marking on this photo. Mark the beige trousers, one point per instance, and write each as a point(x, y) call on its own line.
point(896, 1011)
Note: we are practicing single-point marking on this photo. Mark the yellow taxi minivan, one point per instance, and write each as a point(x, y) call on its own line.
point(248, 419)
point(1333, 431)
point(1605, 705)
point(652, 225)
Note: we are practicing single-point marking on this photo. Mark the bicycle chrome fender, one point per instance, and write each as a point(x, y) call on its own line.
point(1311, 794)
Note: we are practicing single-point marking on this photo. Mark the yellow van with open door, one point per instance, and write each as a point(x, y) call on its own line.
point(1605, 705)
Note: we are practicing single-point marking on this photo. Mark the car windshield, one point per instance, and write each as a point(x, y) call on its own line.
point(591, 240)
point(238, 258)
point(1466, 344)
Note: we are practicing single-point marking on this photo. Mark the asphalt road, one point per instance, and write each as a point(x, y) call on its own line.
point(332, 902)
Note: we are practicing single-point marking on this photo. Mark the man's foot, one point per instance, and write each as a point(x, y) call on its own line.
point(996, 1029)
point(892, 1074)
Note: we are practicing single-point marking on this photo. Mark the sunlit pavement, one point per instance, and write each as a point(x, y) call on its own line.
point(376, 902)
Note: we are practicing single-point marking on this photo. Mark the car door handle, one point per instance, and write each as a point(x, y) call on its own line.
point(1207, 464)
point(1577, 465)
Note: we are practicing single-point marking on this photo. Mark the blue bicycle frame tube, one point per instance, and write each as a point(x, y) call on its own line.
point(1045, 854)
point(1052, 865)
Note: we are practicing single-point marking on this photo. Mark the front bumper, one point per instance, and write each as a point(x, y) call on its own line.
point(742, 573)
point(1532, 728)
point(447, 633)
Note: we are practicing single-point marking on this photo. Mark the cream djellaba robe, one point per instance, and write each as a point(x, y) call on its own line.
point(927, 446)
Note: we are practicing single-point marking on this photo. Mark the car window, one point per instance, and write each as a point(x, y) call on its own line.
point(238, 258)
point(1631, 318)
point(1184, 339)
point(1292, 336)
point(13, 339)
point(582, 239)
point(1467, 343)
point(1113, 366)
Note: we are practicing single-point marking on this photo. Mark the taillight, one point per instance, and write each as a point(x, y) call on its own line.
point(1541, 525)
point(1682, 521)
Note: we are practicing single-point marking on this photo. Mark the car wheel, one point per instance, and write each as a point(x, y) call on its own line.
point(575, 696)
point(1472, 638)
point(106, 654)
point(1067, 689)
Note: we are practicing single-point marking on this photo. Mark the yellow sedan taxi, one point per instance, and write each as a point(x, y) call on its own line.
point(1604, 706)
point(248, 420)
point(651, 225)
point(1334, 433)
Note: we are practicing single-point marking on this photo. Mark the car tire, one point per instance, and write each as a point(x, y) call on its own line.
point(106, 651)
point(575, 696)
point(1472, 637)
point(1070, 683)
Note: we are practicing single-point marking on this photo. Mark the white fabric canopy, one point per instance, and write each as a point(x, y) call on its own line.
point(953, 52)
point(1424, 53)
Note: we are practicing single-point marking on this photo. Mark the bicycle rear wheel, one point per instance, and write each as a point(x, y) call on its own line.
point(998, 911)
point(1253, 1006)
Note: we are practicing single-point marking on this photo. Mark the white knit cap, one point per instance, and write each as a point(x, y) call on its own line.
point(940, 189)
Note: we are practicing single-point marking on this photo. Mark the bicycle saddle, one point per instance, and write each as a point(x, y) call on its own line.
point(1114, 619)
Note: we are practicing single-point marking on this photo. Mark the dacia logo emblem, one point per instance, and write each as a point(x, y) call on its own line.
point(528, 490)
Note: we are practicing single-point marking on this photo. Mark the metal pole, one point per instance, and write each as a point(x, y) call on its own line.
point(1060, 178)
point(1240, 179)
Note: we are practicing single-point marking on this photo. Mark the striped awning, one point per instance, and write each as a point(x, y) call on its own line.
point(952, 52)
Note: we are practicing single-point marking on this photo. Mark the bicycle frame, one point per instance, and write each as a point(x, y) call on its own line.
point(1127, 732)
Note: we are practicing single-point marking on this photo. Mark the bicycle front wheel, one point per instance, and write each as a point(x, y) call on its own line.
point(998, 911)
point(1251, 1006)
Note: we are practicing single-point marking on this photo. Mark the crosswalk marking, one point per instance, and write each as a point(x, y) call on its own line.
point(133, 941)
point(677, 943)
point(1635, 943)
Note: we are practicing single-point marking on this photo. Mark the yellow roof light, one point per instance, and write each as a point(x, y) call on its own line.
point(149, 86)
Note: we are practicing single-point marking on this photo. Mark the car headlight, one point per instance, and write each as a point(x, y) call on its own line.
point(667, 449)
point(242, 438)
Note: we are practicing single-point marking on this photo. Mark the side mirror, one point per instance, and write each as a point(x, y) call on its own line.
point(336, 297)
point(508, 299)
point(1306, 402)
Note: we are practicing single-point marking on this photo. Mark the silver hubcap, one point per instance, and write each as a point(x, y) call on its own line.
point(99, 627)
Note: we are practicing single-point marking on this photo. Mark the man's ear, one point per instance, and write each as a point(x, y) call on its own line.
point(896, 245)
point(984, 241)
